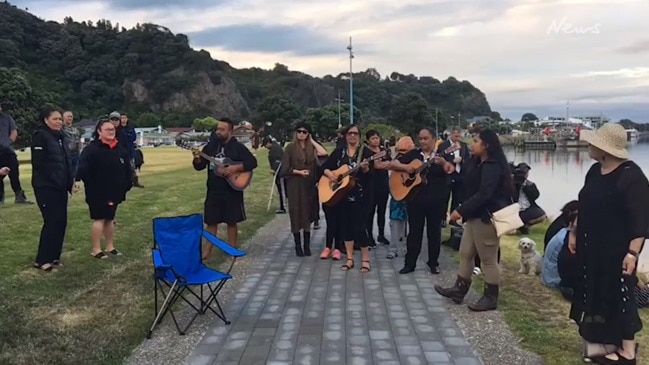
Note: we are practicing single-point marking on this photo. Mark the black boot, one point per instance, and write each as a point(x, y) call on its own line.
point(136, 182)
point(307, 243)
point(489, 300)
point(298, 244)
point(21, 198)
point(457, 292)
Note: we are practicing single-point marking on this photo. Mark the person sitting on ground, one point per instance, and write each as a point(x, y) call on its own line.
point(551, 275)
point(526, 193)
point(562, 221)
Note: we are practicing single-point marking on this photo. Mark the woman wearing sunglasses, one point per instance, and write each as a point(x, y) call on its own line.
point(299, 167)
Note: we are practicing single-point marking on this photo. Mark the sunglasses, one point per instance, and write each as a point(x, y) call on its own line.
point(352, 133)
point(302, 131)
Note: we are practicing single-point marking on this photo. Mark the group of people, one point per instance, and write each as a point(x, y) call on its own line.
point(105, 166)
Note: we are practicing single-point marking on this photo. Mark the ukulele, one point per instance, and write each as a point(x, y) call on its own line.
point(403, 184)
point(331, 192)
point(238, 181)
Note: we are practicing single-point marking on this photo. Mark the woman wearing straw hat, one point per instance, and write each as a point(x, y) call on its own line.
point(607, 238)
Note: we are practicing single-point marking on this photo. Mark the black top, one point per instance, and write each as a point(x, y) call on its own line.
point(231, 149)
point(554, 228)
point(51, 165)
point(437, 179)
point(381, 180)
point(339, 157)
point(275, 156)
point(465, 154)
point(106, 172)
point(488, 189)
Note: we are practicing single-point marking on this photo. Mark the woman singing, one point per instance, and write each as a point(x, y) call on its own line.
point(52, 179)
point(299, 167)
point(105, 169)
point(428, 206)
point(489, 188)
point(352, 210)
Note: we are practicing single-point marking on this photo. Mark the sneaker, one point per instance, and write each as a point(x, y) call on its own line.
point(325, 253)
point(280, 211)
point(336, 255)
point(392, 255)
point(477, 271)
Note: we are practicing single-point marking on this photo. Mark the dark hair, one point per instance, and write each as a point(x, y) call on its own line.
point(266, 141)
point(227, 120)
point(494, 149)
point(124, 114)
point(346, 129)
point(570, 211)
point(46, 112)
point(429, 130)
point(371, 133)
point(100, 123)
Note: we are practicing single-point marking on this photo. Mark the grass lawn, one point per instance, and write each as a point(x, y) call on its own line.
point(96, 311)
point(539, 315)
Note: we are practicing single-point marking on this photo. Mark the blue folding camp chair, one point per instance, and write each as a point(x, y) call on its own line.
point(178, 266)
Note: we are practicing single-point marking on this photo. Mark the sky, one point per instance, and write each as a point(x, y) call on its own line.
point(525, 55)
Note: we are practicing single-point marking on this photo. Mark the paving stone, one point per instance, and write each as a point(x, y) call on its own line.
point(293, 310)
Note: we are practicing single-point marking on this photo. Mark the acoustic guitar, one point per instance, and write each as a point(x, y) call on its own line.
point(403, 184)
point(331, 192)
point(238, 181)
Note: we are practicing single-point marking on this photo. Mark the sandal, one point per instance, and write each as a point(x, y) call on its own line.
point(45, 267)
point(366, 268)
point(57, 263)
point(99, 255)
point(115, 252)
point(346, 266)
point(621, 360)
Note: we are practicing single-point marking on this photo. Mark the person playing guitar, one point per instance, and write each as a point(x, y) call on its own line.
point(351, 212)
point(223, 204)
point(429, 203)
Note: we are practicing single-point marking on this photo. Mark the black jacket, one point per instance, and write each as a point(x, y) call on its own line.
point(51, 165)
point(465, 154)
point(531, 192)
point(488, 189)
point(106, 172)
point(275, 156)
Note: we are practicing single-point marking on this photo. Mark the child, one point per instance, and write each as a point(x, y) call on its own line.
point(398, 212)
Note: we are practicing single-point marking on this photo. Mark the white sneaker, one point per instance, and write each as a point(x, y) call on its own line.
point(477, 271)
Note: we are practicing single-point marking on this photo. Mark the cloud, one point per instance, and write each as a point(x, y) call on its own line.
point(641, 46)
point(292, 39)
point(635, 72)
point(128, 4)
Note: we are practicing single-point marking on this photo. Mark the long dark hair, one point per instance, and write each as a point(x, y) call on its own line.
point(494, 150)
point(100, 123)
point(570, 211)
point(45, 113)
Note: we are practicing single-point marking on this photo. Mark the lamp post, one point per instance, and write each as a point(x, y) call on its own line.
point(340, 125)
point(351, 83)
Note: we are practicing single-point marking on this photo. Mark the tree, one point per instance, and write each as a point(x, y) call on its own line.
point(528, 117)
point(204, 125)
point(385, 130)
point(410, 113)
point(496, 116)
point(282, 112)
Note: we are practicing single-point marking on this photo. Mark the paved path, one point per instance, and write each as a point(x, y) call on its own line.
point(307, 311)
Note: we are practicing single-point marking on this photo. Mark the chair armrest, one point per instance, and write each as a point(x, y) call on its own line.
point(161, 267)
point(223, 246)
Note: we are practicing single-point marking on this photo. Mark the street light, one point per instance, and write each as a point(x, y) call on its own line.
point(340, 125)
point(351, 83)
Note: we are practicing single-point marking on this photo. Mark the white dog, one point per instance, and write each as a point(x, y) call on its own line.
point(531, 260)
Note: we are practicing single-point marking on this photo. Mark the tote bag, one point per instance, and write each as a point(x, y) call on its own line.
point(507, 219)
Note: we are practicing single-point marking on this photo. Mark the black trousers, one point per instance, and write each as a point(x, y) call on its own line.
point(378, 205)
point(54, 209)
point(456, 192)
point(280, 184)
point(332, 237)
point(10, 160)
point(430, 214)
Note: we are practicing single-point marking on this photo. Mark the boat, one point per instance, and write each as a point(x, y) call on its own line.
point(632, 136)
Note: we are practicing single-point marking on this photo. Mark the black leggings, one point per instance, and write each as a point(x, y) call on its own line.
point(379, 204)
point(54, 208)
point(351, 222)
point(332, 239)
point(477, 261)
point(430, 214)
point(10, 160)
point(280, 183)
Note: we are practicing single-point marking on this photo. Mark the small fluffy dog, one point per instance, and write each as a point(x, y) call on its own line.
point(531, 260)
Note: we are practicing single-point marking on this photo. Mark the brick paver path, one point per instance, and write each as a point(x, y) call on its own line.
point(307, 311)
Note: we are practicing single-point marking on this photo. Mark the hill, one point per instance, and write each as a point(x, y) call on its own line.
point(155, 76)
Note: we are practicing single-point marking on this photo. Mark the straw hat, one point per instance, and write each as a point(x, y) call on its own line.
point(610, 138)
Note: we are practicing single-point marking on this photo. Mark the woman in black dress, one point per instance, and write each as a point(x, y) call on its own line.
point(351, 211)
point(380, 189)
point(609, 233)
point(107, 174)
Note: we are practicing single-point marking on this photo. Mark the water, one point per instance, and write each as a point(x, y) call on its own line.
point(559, 174)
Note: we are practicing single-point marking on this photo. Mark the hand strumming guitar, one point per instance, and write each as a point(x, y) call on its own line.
point(230, 170)
point(197, 153)
point(365, 166)
point(330, 175)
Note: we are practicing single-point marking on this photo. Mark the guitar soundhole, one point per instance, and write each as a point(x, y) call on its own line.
point(335, 186)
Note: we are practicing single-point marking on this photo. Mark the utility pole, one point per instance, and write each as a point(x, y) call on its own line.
point(340, 125)
point(436, 124)
point(351, 83)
